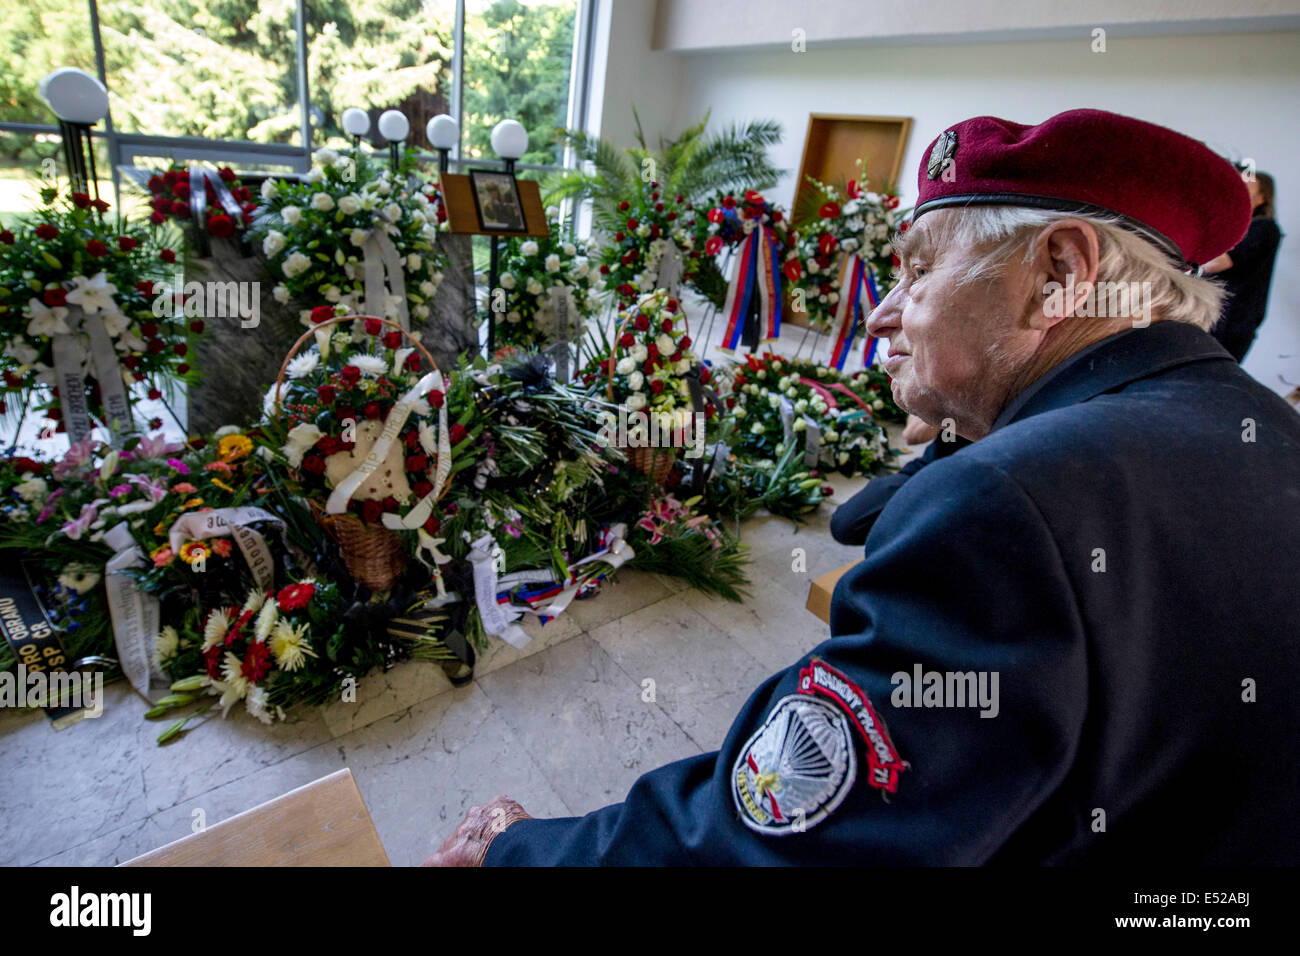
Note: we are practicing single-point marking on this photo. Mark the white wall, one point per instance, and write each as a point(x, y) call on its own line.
point(1239, 93)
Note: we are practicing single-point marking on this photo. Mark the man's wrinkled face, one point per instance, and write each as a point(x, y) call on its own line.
point(954, 346)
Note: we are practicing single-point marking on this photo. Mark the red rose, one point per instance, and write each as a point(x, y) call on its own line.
point(627, 340)
point(144, 287)
point(182, 368)
point(626, 290)
point(604, 269)
point(313, 464)
point(197, 326)
point(154, 394)
point(131, 361)
point(671, 216)
point(667, 326)
point(393, 339)
point(671, 305)
point(433, 524)
point(649, 367)
point(181, 189)
point(675, 357)
point(390, 503)
point(373, 411)
point(776, 215)
point(46, 231)
point(623, 206)
point(180, 348)
point(371, 510)
point(295, 597)
point(156, 184)
point(411, 438)
point(81, 200)
point(632, 224)
point(329, 445)
point(827, 491)
point(422, 488)
point(417, 463)
point(351, 374)
point(659, 207)
point(155, 424)
point(345, 413)
point(829, 210)
point(322, 313)
point(656, 386)
point(654, 232)
point(327, 394)
point(181, 210)
point(156, 217)
point(227, 174)
point(172, 176)
point(642, 321)
point(620, 236)
point(435, 398)
point(155, 346)
point(654, 195)
point(705, 376)
point(221, 226)
point(713, 246)
point(55, 297)
point(680, 199)
point(373, 326)
point(792, 269)
point(6, 237)
point(628, 257)
point(412, 362)
point(167, 256)
point(684, 341)
point(242, 194)
point(126, 243)
point(95, 249)
point(456, 434)
point(149, 329)
point(161, 204)
point(729, 202)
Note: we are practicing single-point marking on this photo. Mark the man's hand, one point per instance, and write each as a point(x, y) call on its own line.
point(469, 844)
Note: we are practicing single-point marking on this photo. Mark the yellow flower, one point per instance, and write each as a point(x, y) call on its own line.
point(193, 551)
point(234, 447)
point(223, 486)
point(192, 503)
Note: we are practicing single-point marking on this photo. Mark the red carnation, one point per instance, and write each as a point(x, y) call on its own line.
point(100, 205)
point(156, 217)
point(181, 210)
point(154, 346)
point(417, 463)
point(620, 236)
point(373, 411)
point(180, 348)
point(221, 226)
point(131, 361)
point(126, 243)
point(648, 367)
point(149, 329)
point(345, 413)
point(667, 326)
point(684, 341)
point(156, 184)
point(327, 394)
point(628, 257)
point(623, 206)
point(410, 438)
point(55, 297)
point(373, 326)
point(371, 510)
point(167, 256)
point(212, 661)
point(680, 199)
point(671, 216)
point(632, 224)
point(652, 350)
point(182, 368)
point(393, 339)
point(829, 210)
point(295, 597)
point(659, 207)
point(329, 445)
point(456, 434)
point(313, 464)
point(46, 231)
point(705, 375)
point(433, 524)
point(604, 269)
point(322, 313)
point(182, 190)
point(81, 200)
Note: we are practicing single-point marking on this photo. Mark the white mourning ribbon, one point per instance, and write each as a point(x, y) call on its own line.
point(72, 383)
point(337, 503)
point(617, 553)
point(383, 269)
point(201, 525)
point(134, 612)
point(812, 442)
point(497, 621)
point(787, 421)
point(198, 173)
point(418, 515)
point(562, 306)
point(670, 269)
point(721, 458)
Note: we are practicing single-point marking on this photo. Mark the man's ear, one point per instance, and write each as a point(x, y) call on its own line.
point(1064, 264)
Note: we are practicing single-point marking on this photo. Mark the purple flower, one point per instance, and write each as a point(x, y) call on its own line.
point(180, 466)
point(48, 510)
point(119, 490)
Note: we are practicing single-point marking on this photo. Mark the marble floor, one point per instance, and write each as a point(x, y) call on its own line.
point(560, 725)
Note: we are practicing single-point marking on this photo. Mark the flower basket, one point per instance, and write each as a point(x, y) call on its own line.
point(374, 555)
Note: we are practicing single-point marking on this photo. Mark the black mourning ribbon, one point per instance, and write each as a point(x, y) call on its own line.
point(701, 397)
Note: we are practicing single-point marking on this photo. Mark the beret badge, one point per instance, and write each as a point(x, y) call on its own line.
point(945, 147)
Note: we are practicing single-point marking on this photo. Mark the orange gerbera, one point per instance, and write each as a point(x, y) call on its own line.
point(194, 551)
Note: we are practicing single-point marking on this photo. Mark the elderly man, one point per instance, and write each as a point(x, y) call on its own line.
point(1071, 641)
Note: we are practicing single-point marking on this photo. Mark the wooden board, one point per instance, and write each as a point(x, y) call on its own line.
point(820, 591)
point(462, 214)
point(324, 823)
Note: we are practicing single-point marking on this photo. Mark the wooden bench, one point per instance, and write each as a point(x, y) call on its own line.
point(324, 823)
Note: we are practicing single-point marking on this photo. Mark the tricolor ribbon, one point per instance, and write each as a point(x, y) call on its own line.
point(200, 176)
point(758, 273)
point(856, 284)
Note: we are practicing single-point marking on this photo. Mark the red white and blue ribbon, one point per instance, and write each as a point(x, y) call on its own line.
point(758, 273)
point(857, 287)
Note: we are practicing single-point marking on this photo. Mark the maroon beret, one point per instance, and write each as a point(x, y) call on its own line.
point(1170, 188)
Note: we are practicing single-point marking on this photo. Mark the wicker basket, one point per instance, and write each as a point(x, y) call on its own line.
point(374, 555)
point(655, 463)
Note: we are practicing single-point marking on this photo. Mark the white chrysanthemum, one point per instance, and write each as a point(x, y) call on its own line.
point(303, 364)
point(166, 646)
point(271, 400)
point(392, 212)
point(371, 365)
point(349, 205)
point(580, 268)
point(301, 438)
point(32, 490)
point(291, 215)
point(214, 631)
point(289, 645)
point(552, 263)
point(414, 262)
point(256, 702)
point(508, 280)
point(528, 248)
point(514, 318)
point(295, 265)
point(273, 244)
point(256, 598)
point(266, 619)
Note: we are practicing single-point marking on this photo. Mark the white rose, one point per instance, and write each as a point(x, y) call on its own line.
point(664, 342)
point(313, 175)
point(350, 205)
point(739, 411)
point(528, 248)
point(322, 201)
point(682, 367)
point(427, 288)
point(581, 267)
point(392, 212)
point(640, 353)
point(296, 264)
point(552, 263)
point(358, 237)
point(332, 293)
point(273, 244)
point(801, 406)
point(291, 215)
point(413, 262)
point(636, 381)
point(569, 249)
point(269, 189)
point(636, 402)
point(534, 287)
point(756, 428)
point(791, 392)
point(625, 366)
point(643, 230)
point(326, 157)
point(508, 280)
point(280, 293)
point(514, 318)
point(799, 425)
point(774, 399)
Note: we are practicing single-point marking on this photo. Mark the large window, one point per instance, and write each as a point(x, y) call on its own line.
point(261, 83)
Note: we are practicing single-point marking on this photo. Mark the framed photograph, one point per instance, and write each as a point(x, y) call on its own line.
point(496, 199)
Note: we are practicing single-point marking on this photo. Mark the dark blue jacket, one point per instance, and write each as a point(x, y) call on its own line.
point(1121, 551)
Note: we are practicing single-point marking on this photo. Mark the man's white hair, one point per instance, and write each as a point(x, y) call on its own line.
point(999, 233)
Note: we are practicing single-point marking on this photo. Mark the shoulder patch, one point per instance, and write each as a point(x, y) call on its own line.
point(882, 758)
point(796, 769)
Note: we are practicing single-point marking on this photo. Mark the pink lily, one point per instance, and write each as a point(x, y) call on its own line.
point(81, 524)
